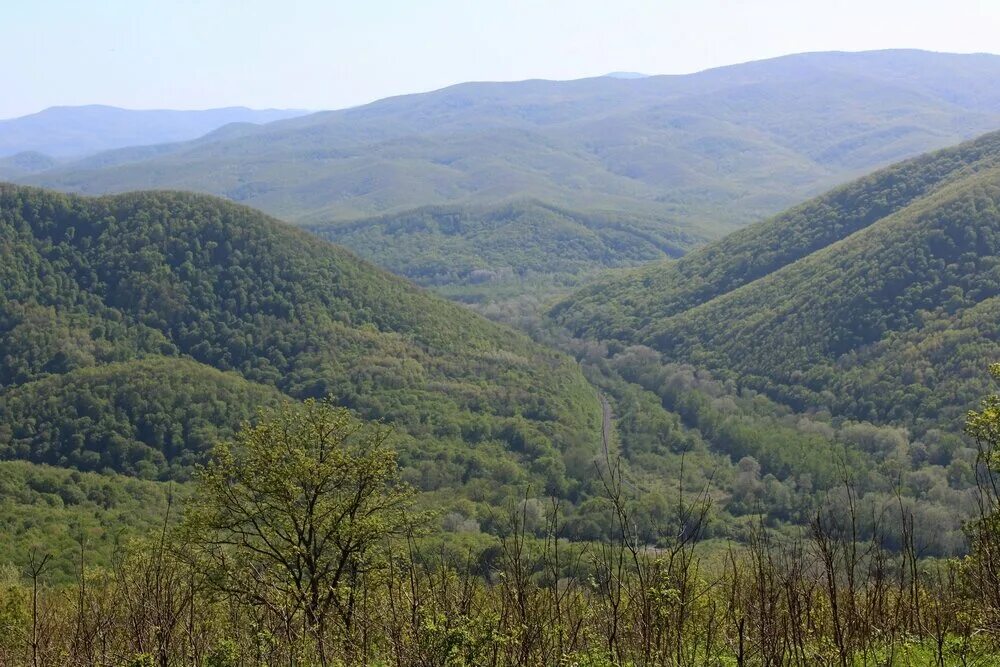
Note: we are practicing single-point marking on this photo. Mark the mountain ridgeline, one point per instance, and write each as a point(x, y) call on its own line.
point(139, 329)
point(877, 301)
point(73, 132)
point(699, 154)
point(716, 434)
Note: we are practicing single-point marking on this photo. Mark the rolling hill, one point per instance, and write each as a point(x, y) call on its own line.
point(470, 245)
point(72, 132)
point(138, 329)
point(877, 301)
point(698, 155)
point(24, 163)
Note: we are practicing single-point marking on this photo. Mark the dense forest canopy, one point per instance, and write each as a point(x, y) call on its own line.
point(875, 301)
point(480, 249)
point(138, 329)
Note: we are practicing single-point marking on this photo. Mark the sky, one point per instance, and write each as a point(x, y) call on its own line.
point(328, 54)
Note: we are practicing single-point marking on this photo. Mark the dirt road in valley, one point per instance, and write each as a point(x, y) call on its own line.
point(606, 436)
point(605, 424)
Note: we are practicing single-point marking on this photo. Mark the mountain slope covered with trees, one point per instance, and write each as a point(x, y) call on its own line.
point(137, 330)
point(463, 246)
point(876, 301)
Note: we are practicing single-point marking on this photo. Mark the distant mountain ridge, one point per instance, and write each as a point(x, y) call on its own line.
point(627, 75)
point(723, 147)
point(75, 131)
point(699, 154)
point(26, 162)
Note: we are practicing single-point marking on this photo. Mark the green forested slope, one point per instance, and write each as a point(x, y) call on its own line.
point(137, 328)
point(843, 302)
point(68, 514)
point(629, 301)
point(142, 416)
point(456, 245)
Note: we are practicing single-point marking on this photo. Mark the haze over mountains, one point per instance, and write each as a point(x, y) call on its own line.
point(819, 362)
point(76, 131)
point(700, 154)
point(629, 370)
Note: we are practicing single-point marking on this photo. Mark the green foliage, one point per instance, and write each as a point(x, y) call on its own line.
point(150, 417)
point(296, 548)
point(512, 243)
point(760, 460)
point(876, 301)
point(53, 509)
point(138, 329)
point(295, 513)
point(661, 291)
point(981, 566)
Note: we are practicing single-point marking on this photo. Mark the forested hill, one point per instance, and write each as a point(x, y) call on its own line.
point(138, 329)
point(877, 301)
point(467, 245)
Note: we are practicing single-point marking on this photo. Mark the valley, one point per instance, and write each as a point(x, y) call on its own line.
point(245, 334)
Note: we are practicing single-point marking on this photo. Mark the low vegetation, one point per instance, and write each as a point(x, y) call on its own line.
point(300, 548)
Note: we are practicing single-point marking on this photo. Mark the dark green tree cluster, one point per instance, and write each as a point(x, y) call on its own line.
point(137, 329)
point(149, 417)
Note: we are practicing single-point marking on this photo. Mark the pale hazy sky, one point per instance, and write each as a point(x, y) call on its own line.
point(322, 54)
